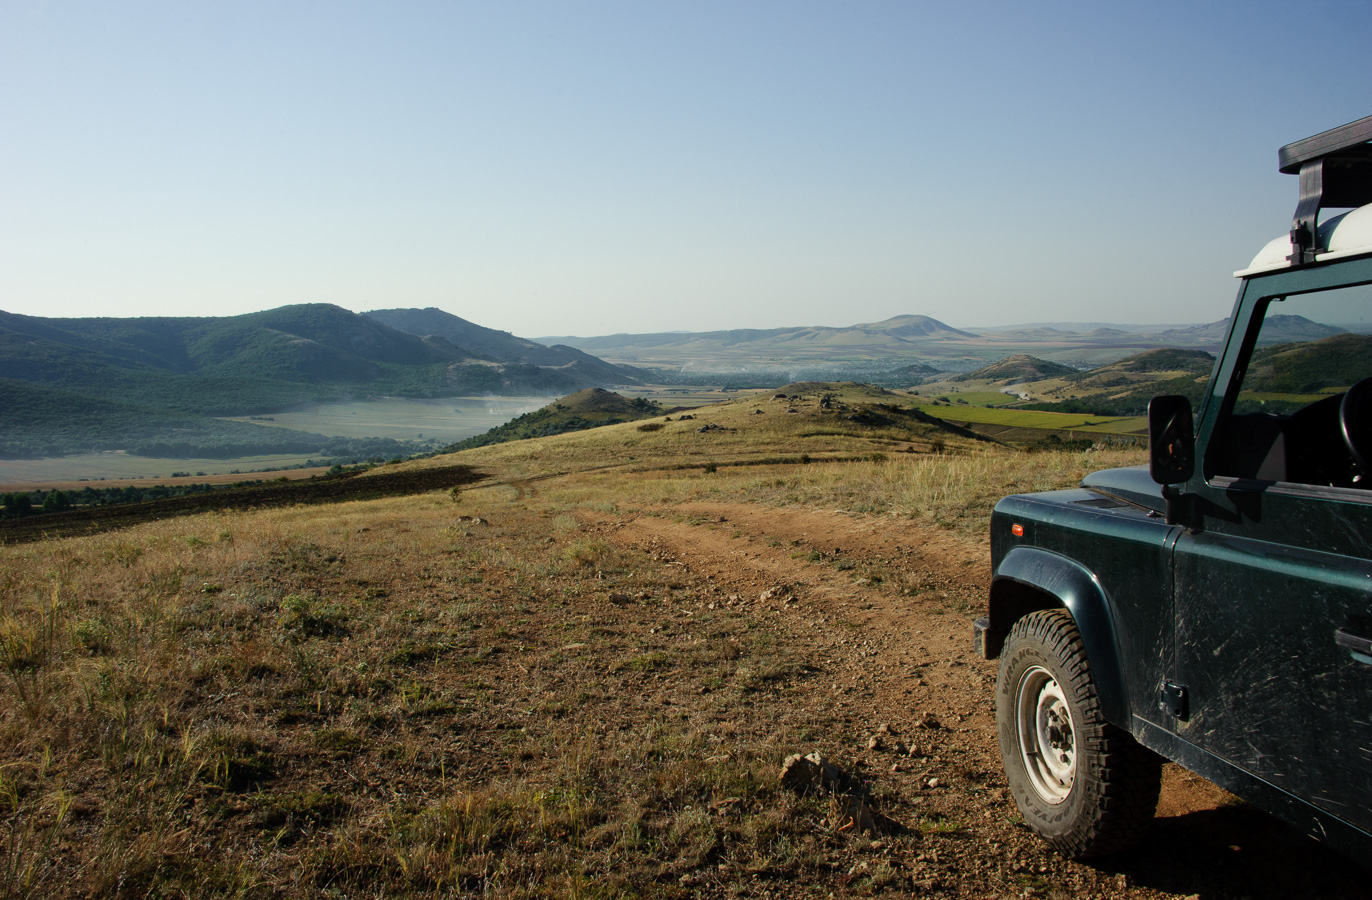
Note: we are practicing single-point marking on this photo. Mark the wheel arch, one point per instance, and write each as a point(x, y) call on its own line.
point(1029, 579)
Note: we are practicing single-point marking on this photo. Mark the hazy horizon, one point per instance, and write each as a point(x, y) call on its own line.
point(589, 169)
point(1008, 326)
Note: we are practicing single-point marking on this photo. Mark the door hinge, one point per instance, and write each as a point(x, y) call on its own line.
point(1173, 698)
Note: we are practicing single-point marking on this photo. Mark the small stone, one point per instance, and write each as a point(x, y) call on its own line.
point(874, 743)
point(932, 782)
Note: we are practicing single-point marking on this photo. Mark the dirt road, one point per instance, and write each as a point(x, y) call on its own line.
point(886, 609)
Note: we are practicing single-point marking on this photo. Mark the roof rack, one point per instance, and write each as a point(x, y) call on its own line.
point(1336, 171)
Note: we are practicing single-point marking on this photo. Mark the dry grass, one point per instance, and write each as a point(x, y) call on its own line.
point(954, 491)
point(387, 698)
point(323, 700)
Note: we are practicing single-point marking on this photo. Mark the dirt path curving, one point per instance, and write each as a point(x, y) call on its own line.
point(885, 608)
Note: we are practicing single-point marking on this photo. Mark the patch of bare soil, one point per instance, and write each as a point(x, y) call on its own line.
point(885, 608)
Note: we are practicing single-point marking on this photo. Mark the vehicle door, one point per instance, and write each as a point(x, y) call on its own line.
point(1273, 579)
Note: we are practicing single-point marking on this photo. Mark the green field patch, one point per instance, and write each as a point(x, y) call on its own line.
point(1124, 425)
point(980, 398)
point(1027, 418)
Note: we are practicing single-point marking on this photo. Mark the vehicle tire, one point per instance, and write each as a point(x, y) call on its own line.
point(1087, 787)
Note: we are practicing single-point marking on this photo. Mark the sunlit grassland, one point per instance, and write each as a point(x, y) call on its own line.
point(392, 698)
point(954, 491)
point(777, 458)
point(375, 697)
point(748, 431)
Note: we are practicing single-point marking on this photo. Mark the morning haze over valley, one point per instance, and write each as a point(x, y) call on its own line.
point(317, 383)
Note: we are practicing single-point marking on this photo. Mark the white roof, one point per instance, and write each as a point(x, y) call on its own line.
point(1349, 234)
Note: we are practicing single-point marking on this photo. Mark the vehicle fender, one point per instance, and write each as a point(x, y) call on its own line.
point(1030, 579)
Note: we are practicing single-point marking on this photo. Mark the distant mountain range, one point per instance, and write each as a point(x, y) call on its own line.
point(905, 341)
point(71, 385)
point(895, 337)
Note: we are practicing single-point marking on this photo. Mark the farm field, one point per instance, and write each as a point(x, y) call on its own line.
point(1028, 418)
point(578, 676)
point(974, 398)
point(96, 467)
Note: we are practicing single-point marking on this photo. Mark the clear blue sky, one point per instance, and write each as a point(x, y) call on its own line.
point(554, 168)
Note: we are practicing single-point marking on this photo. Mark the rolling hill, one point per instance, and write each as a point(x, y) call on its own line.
point(79, 385)
point(589, 408)
point(1017, 368)
point(885, 351)
point(503, 346)
point(901, 337)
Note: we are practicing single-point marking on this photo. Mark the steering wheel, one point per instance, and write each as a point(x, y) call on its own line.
point(1355, 424)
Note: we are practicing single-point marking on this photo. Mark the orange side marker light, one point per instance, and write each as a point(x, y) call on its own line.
point(1017, 530)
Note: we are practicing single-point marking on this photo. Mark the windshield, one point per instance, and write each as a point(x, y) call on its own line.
point(1285, 423)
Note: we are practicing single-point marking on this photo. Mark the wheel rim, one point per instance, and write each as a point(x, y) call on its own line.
point(1047, 740)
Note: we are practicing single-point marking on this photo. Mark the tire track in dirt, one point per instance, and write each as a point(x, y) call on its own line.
point(888, 581)
point(885, 608)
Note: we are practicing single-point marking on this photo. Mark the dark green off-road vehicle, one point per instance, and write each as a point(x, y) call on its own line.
point(1215, 607)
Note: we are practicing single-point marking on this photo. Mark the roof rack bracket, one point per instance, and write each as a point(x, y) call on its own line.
point(1304, 227)
point(1345, 182)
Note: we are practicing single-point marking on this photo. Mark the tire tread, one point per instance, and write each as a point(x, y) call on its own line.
point(1122, 777)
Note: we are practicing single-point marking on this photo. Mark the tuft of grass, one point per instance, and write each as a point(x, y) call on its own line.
point(652, 661)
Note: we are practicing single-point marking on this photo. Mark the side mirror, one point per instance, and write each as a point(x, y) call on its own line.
point(1171, 439)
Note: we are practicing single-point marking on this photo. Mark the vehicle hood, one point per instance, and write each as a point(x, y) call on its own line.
point(1132, 485)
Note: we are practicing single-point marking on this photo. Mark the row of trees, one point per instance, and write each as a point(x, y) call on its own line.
point(29, 503)
point(19, 504)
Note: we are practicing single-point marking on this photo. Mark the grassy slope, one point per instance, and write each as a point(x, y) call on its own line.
point(499, 697)
point(588, 408)
point(1118, 392)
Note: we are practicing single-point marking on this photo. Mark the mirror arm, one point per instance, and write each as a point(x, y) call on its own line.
point(1177, 504)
